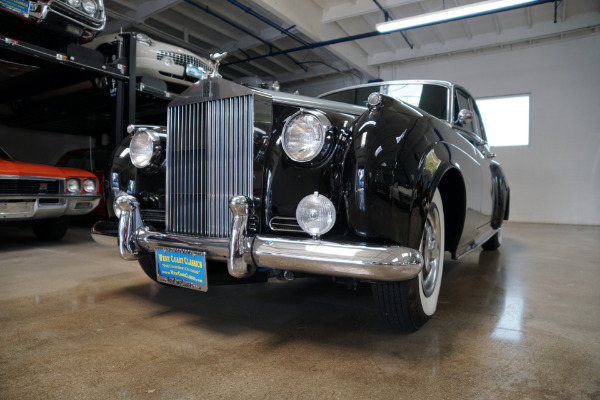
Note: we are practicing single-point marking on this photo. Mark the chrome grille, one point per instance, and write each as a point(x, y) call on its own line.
point(209, 160)
point(184, 60)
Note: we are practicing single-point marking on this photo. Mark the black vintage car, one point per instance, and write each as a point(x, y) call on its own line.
point(366, 184)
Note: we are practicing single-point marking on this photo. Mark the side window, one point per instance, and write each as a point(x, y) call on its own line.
point(462, 102)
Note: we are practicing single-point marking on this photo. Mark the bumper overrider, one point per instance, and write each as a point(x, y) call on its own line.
point(246, 253)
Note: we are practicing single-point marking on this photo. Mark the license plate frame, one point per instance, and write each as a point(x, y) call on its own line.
point(195, 72)
point(181, 267)
point(18, 7)
point(21, 209)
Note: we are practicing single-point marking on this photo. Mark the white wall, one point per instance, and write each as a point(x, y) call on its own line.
point(39, 147)
point(556, 179)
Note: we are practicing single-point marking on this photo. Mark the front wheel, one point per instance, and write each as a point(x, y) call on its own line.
point(407, 305)
point(51, 229)
point(494, 242)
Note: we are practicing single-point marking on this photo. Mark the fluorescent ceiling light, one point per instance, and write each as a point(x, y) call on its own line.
point(484, 7)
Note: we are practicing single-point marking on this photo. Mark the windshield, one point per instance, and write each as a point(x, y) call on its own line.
point(82, 160)
point(428, 97)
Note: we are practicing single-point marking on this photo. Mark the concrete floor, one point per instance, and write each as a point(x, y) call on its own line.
point(77, 322)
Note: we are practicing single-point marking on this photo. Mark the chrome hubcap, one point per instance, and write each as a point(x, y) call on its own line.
point(431, 251)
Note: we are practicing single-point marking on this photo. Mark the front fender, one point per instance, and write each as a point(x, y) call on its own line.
point(379, 175)
point(392, 169)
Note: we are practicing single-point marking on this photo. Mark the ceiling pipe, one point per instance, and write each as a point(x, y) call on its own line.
point(268, 22)
point(247, 32)
point(388, 17)
point(311, 46)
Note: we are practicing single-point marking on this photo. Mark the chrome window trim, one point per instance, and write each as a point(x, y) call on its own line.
point(448, 85)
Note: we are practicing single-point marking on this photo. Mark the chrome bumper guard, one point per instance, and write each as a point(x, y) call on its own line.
point(244, 254)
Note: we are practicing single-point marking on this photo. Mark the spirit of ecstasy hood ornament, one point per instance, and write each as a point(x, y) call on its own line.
point(217, 57)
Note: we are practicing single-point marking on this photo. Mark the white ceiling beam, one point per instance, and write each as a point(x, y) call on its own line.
point(124, 4)
point(563, 14)
point(139, 13)
point(151, 7)
point(392, 45)
point(246, 42)
point(507, 37)
point(497, 22)
point(465, 24)
point(316, 72)
point(195, 16)
point(436, 29)
point(241, 70)
point(307, 18)
point(362, 7)
point(186, 32)
point(321, 3)
point(289, 66)
point(385, 38)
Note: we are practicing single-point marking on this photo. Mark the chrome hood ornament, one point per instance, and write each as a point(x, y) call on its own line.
point(217, 57)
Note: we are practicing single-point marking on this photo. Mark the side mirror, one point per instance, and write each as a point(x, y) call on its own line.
point(465, 117)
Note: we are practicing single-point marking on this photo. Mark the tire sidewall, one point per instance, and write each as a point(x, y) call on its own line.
point(429, 304)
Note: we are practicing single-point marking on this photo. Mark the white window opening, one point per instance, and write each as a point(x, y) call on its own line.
point(506, 120)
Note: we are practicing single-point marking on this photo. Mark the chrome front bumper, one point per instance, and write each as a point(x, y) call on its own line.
point(20, 208)
point(244, 254)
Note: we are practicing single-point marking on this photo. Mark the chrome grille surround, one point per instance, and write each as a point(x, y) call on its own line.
point(209, 160)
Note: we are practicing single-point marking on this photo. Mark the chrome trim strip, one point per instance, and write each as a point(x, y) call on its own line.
point(299, 101)
point(446, 84)
point(284, 224)
point(73, 197)
point(33, 178)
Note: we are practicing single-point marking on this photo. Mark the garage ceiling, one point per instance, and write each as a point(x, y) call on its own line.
point(251, 30)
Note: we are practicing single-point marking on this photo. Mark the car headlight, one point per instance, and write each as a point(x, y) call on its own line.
point(304, 135)
point(73, 185)
point(74, 3)
point(89, 185)
point(145, 148)
point(89, 6)
point(143, 39)
point(315, 214)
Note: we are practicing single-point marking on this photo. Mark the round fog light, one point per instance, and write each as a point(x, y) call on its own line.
point(315, 214)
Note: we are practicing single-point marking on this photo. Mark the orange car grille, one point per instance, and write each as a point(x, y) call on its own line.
point(28, 187)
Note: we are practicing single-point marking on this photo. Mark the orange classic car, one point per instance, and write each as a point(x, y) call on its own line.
point(44, 194)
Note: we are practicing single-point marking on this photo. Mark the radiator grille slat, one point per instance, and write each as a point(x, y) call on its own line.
point(209, 160)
